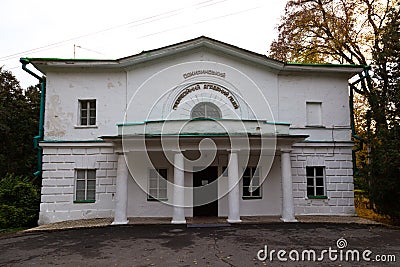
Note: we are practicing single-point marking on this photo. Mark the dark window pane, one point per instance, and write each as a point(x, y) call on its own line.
point(163, 173)
point(320, 181)
point(91, 194)
point(80, 195)
point(255, 181)
point(83, 121)
point(246, 192)
point(153, 192)
point(163, 193)
point(246, 181)
point(92, 113)
point(319, 171)
point(310, 171)
point(256, 192)
point(310, 181)
point(84, 114)
point(91, 185)
point(246, 172)
point(310, 191)
point(80, 174)
point(80, 185)
point(153, 183)
point(91, 175)
point(93, 104)
point(92, 121)
point(320, 191)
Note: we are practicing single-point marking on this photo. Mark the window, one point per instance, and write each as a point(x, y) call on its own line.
point(314, 113)
point(251, 183)
point(315, 182)
point(85, 186)
point(87, 112)
point(205, 110)
point(157, 184)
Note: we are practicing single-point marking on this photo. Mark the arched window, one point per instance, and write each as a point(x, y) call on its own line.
point(205, 110)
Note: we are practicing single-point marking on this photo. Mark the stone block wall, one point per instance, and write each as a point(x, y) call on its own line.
point(58, 185)
point(339, 186)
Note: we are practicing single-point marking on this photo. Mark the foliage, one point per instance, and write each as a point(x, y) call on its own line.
point(383, 170)
point(19, 200)
point(19, 116)
point(363, 32)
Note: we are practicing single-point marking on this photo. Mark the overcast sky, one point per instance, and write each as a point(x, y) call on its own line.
point(118, 28)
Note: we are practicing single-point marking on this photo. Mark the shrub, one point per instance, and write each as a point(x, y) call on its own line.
point(19, 202)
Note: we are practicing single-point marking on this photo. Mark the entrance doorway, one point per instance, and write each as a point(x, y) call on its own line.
point(205, 194)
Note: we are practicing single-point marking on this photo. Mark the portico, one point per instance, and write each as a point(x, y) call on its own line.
point(229, 154)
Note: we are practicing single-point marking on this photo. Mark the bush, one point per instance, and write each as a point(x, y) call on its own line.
point(19, 202)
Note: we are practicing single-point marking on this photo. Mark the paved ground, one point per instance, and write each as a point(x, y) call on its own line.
point(169, 245)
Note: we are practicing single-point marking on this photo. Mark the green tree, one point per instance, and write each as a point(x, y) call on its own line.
point(363, 32)
point(19, 116)
point(383, 172)
point(19, 202)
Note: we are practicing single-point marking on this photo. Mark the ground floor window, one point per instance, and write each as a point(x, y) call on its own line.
point(315, 182)
point(85, 189)
point(157, 184)
point(251, 183)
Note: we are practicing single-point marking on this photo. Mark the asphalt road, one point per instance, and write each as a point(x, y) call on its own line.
point(239, 245)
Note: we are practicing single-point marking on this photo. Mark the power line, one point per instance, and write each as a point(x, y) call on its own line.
point(144, 21)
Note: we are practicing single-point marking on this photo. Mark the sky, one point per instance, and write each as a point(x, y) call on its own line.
point(113, 29)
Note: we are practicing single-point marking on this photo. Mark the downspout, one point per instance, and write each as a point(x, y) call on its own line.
point(353, 129)
point(39, 137)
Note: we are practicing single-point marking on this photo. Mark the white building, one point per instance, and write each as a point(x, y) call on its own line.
point(199, 128)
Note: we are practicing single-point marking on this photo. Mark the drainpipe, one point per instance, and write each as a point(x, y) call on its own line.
point(39, 137)
point(353, 129)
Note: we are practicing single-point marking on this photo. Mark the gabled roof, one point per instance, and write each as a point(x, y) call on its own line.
point(46, 64)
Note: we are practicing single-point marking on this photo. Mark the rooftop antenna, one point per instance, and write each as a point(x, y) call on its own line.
point(78, 46)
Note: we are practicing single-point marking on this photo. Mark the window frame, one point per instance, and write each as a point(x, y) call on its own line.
point(206, 105)
point(252, 171)
point(86, 104)
point(151, 197)
point(86, 189)
point(310, 109)
point(315, 185)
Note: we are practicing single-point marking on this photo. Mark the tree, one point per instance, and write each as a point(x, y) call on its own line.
point(362, 32)
point(383, 172)
point(19, 116)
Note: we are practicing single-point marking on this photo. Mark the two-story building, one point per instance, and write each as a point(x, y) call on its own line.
point(198, 128)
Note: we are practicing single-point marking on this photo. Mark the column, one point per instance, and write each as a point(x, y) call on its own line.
point(179, 193)
point(287, 192)
point(234, 193)
point(121, 195)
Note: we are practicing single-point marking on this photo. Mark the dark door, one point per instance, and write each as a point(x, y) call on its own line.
point(205, 193)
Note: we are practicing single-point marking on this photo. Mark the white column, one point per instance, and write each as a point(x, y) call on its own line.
point(287, 192)
point(179, 193)
point(121, 195)
point(234, 193)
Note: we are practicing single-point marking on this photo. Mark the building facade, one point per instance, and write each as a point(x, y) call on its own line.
point(199, 128)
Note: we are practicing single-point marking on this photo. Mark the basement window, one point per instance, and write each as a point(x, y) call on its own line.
point(316, 182)
point(85, 186)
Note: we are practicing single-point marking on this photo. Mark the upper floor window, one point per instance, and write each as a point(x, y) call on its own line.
point(206, 110)
point(87, 112)
point(314, 113)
